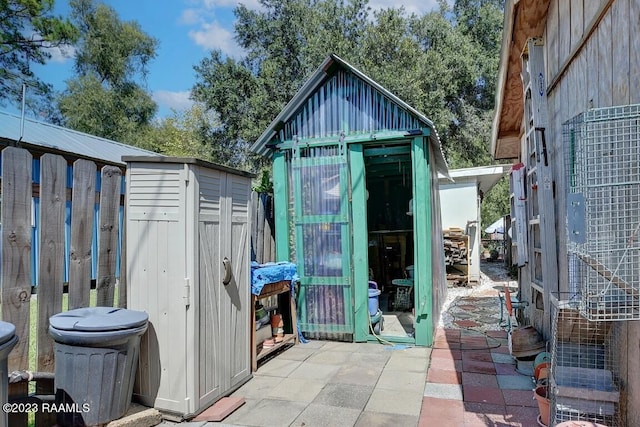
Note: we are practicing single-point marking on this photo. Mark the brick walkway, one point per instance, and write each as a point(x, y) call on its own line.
point(472, 381)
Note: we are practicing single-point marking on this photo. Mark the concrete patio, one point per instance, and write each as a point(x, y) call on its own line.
point(468, 378)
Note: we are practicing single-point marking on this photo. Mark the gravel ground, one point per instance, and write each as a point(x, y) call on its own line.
point(484, 296)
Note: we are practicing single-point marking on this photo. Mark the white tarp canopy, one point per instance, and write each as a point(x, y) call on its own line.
point(496, 227)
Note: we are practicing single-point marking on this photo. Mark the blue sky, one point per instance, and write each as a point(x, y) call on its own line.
point(187, 31)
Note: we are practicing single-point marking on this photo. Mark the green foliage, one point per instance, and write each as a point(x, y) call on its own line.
point(28, 33)
point(180, 135)
point(443, 63)
point(105, 98)
point(265, 185)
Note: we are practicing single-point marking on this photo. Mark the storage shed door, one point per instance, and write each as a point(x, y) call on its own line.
point(322, 229)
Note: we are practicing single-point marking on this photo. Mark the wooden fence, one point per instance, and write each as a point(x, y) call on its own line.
point(55, 190)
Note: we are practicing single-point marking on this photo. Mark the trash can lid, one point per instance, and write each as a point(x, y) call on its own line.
point(98, 319)
point(7, 331)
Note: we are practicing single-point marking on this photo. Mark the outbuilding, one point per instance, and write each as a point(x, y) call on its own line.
point(357, 207)
point(461, 200)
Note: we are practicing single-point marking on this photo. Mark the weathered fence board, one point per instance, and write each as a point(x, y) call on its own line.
point(262, 230)
point(108, 234)
point(16, 260)
point(18, 190)
point(84, 189)
point(53, 176)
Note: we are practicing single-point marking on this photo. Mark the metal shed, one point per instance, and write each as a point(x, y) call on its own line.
point(355, 173)
point(188, 267)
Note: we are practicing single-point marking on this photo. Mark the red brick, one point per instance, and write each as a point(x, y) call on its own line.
point(449, 334)
point(483, 414)
point(519, 398)
point(482, 395)
point(522, 416)
point(441, 353)
point(503, 349)
point(506, 369)
point(443, 376)
point(479, 380)
point(466, 323)
point(441, 412)
point(478, 367)
point(477, 355)
point(444, 343)
point(497, 334)
point(221, 409)
point(446, 364)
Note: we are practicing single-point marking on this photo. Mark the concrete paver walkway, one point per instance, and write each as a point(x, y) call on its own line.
point(472, 381)
point(467, 379)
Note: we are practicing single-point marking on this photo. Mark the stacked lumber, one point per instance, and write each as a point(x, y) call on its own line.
point(456, 255)
point(455, 246)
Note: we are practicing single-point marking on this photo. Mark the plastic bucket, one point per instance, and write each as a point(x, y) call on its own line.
point(373, 301)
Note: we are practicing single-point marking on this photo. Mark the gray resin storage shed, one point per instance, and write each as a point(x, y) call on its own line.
point(188, 267)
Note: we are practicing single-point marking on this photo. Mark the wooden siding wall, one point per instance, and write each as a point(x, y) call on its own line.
point(593, 61)
point(17, 191)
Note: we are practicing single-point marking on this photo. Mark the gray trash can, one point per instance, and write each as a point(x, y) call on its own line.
point(8, 340)
point(96, 355)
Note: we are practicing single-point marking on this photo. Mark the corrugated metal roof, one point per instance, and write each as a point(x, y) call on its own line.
point(57, 138)
point(325, 108)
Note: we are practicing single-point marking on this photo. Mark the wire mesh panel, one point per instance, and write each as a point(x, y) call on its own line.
point(602, 153)
point(584, 377)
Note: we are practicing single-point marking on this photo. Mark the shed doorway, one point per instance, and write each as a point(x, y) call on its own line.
point(388, 179)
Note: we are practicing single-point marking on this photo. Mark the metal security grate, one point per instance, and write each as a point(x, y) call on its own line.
point(584, 377)
point(602, 164)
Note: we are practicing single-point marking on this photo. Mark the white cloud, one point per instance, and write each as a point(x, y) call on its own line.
point(213, 36)
point(190, 17)
point(178, 101)
point(61, 53)
point(212, 4)
point(210, 34)
point(411, 6)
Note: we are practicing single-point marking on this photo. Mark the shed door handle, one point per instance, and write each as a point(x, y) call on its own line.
point(227, 271)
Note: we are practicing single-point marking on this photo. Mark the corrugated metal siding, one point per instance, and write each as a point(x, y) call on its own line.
point(345, 103)
point(438, 274)
point(56, 138)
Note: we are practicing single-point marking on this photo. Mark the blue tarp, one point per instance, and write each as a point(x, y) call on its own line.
point(263, 274)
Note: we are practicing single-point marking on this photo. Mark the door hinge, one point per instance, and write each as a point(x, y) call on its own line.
point(186, 296)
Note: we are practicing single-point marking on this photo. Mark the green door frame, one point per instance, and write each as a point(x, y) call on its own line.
point(422, 229)
point(422, 221)
point(360, 245)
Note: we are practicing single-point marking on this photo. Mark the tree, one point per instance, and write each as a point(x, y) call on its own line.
point(181, 134)
point(285, 42)
point(443, 63)
point(28, 33)
point(106, 98)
